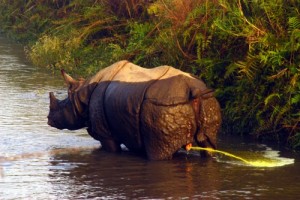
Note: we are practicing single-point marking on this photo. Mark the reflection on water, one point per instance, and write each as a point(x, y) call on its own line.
point(25, 138)
point(40, 162)
point(124, 176)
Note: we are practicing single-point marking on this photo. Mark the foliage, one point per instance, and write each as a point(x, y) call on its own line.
point(248, 50)
point(267, 77)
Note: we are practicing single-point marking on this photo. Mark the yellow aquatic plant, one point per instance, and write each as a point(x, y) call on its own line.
point(255, 163)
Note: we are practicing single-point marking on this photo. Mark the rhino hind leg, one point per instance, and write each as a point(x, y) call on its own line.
point(166, 129)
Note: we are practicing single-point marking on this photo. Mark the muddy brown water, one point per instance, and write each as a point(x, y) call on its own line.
point(40, 162)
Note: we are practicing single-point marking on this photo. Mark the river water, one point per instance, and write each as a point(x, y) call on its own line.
point(40, 162)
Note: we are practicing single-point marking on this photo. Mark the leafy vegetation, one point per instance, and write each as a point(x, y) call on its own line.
point(249, 51)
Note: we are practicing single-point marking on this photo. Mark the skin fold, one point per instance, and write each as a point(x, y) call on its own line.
point(153, 112)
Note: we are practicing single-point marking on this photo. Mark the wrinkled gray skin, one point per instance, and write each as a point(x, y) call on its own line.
point(153, 112)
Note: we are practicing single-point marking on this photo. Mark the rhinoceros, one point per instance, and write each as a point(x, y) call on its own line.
point(154, 111)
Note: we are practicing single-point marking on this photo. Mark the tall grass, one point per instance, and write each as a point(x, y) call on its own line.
point(249, 51)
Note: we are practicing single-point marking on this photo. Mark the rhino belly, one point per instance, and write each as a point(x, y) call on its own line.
point(165, 129)
point(99, 128)
point(122, 103)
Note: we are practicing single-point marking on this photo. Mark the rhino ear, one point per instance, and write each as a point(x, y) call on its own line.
point(53, 101)
point(72, 83)
point(68, 79)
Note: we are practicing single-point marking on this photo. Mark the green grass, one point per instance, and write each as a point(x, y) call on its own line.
point(249, 51)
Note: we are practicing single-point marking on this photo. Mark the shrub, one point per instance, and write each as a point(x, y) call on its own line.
point(247, 50)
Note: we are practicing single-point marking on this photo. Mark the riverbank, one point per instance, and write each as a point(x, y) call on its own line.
point(248, 52)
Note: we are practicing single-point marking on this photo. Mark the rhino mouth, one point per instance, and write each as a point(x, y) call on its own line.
point(53, 124)
point(50, 123)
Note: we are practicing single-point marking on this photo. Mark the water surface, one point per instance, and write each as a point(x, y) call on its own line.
point(40, 162)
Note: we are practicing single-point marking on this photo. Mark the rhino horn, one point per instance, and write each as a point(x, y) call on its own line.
point(53, 101)
point(68, 79)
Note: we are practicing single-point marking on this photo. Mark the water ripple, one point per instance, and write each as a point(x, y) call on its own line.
point(40, 162)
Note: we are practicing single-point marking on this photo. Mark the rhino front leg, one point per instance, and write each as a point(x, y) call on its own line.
point(108, 144)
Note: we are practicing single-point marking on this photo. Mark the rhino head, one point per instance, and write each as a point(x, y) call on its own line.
point(70, 113)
